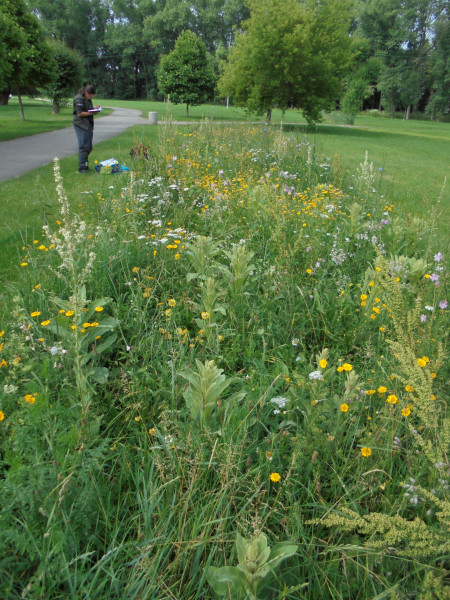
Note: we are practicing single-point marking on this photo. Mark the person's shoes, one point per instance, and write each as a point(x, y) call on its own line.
point(85, 170)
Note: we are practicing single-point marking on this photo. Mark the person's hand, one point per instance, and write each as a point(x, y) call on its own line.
point(98, 106)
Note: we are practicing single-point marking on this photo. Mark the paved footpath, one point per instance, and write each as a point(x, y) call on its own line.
point(24, 154)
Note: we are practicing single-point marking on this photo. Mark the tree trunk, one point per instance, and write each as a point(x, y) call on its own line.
point(22, 114)
point(228, 101)
point(408, 112)
point(55, 107)
point(269, 115)
point(4, 97)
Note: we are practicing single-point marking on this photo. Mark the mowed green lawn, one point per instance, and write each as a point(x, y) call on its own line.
point(38, 118)
point(412, 159)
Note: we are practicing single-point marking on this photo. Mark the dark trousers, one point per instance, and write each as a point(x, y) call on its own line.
point(84, 137)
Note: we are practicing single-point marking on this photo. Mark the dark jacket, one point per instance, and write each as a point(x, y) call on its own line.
point(82, 104)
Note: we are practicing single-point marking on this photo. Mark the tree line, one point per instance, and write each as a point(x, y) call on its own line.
point(314, 55)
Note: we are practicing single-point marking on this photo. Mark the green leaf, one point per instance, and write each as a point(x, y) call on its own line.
point(99, 374)
point(279, 553)
point(241, 548)
point(225, 580)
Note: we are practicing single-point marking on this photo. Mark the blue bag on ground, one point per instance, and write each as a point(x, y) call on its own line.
point(111, 165)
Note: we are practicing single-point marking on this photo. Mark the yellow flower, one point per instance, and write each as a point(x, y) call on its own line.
point(152, 431)
point(86, 325)
point(366, 452)
point(177, 256)
point(406, 411)
point(3, 363)
point(344, 407)
point(382, 389)
point(275, 477)
point(44, 323)
point(35, 313)
point(340, 369)
point(171, 302)
point(135, 269)
point(370, 392)
point(69, 313)
point(421, 362)
point(2, 333)
point(392, 399)
point(323, 363)
point(347, 367)
point(309, 271)
point(205, 315)
point(168, 312)
point(363, 297)
point(30, 398)
point(409, 388)
point(269, 455)
point(2, 415)
point(98, 308)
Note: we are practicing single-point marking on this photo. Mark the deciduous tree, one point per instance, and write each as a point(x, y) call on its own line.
point(81, 26)
point(291, 54)
point(28, 60)
point(186, 73)
point(68, 74)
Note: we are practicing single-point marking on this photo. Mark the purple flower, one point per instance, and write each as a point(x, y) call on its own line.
point(423, 318)
point(443, 304)
point(308, 248)
point(384, 222)
point(434, 277)
point(220, 172)
point(438, 257)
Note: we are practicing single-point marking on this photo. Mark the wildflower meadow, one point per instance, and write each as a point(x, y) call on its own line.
point(228, 381)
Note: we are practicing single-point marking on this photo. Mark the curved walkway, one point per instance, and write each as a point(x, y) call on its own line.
point(24, 154)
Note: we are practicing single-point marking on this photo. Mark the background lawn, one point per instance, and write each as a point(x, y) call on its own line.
point(38, 118)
